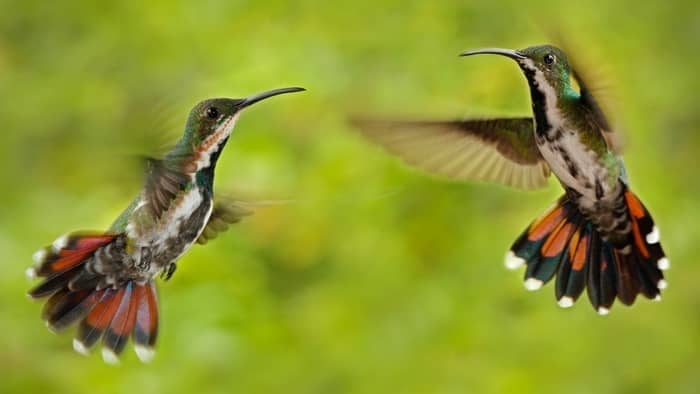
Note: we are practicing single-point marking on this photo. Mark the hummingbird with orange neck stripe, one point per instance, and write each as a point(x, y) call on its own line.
point(598, 236)
point(106, 280)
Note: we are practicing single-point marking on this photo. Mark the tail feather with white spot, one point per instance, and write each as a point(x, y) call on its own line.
point(108, 312)
point(566, 244)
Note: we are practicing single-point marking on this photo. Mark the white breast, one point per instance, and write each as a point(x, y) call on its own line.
point(191, 202)
point(145, 233)
point(153, 236)
point(568, 151)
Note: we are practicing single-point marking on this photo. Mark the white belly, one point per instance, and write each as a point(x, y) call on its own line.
point(151, 238)
point(575, 164)
point(169, 226)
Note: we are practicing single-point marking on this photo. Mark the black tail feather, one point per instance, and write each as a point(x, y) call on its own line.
point(565, 244)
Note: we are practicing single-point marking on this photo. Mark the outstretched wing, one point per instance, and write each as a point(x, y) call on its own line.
point(224, 213)
point(494, 150)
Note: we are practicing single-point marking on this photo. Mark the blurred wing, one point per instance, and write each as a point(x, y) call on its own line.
point(164, 180)
point(595, 111)
point(590, 102)
point(224, 213)
point(584, 72)
point(495, 150)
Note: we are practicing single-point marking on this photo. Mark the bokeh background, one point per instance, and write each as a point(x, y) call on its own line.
point(373, 277)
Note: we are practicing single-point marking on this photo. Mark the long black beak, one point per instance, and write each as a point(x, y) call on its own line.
point(248, 101)
point(495, 51)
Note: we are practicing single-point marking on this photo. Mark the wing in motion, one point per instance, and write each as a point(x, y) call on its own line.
point(225, 212)
point(164, 180)
point(494, 150)
point(595, 112)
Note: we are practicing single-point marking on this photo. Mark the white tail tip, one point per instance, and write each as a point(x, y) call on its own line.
point(603, 310)
point(566, 302)
point(533, 284)
point(50, 327)
point(60, 243)
point(653, 237)
point(145, 354)
point(663, 263)
point(512, 261)
point(30, 273)
point(39, 256)
point(80, 347)
point(109, 356)
point(661, 284)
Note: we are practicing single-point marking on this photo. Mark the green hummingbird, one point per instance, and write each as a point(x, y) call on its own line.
point(598, 235)
point(106, 280)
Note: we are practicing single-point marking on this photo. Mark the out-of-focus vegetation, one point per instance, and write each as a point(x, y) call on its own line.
point(376, 278)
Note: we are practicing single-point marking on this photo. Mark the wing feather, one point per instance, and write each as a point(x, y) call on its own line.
point(492, 150)
point(164, 180)
point(224, 213)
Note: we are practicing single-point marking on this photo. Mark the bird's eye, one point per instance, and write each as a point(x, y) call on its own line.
point(549, 59)
point(212, 113)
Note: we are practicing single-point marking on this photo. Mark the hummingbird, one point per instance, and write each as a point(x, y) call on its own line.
point(106, 280)
point(598, 236)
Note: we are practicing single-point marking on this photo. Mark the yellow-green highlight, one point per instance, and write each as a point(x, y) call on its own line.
point(369, 277)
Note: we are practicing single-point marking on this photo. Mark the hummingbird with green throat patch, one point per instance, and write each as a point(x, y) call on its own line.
point(106, 280)
point(598, 236)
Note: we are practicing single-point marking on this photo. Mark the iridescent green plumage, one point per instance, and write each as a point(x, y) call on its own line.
point(598, 236)
point(106, 281)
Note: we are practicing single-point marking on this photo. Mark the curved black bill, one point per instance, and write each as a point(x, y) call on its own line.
point(262, 96)
point(495, 51)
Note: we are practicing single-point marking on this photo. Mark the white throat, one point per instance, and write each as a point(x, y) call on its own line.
point(212, 143)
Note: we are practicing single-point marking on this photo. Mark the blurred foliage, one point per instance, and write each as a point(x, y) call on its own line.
point(375, 278)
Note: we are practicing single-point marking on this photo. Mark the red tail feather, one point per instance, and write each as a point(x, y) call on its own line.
point(69, 251)
point(146, 327)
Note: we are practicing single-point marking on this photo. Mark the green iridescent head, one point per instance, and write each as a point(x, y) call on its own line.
point(211, 121)
point(545, 66)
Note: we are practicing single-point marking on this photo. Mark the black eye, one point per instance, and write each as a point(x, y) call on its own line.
point(549, 59)
point(212, 113)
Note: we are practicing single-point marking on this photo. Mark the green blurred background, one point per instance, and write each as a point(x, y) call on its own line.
point(376, 278)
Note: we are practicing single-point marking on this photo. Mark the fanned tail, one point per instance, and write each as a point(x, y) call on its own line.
point(78, 294)
point(129, 311)
point(565, 244)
